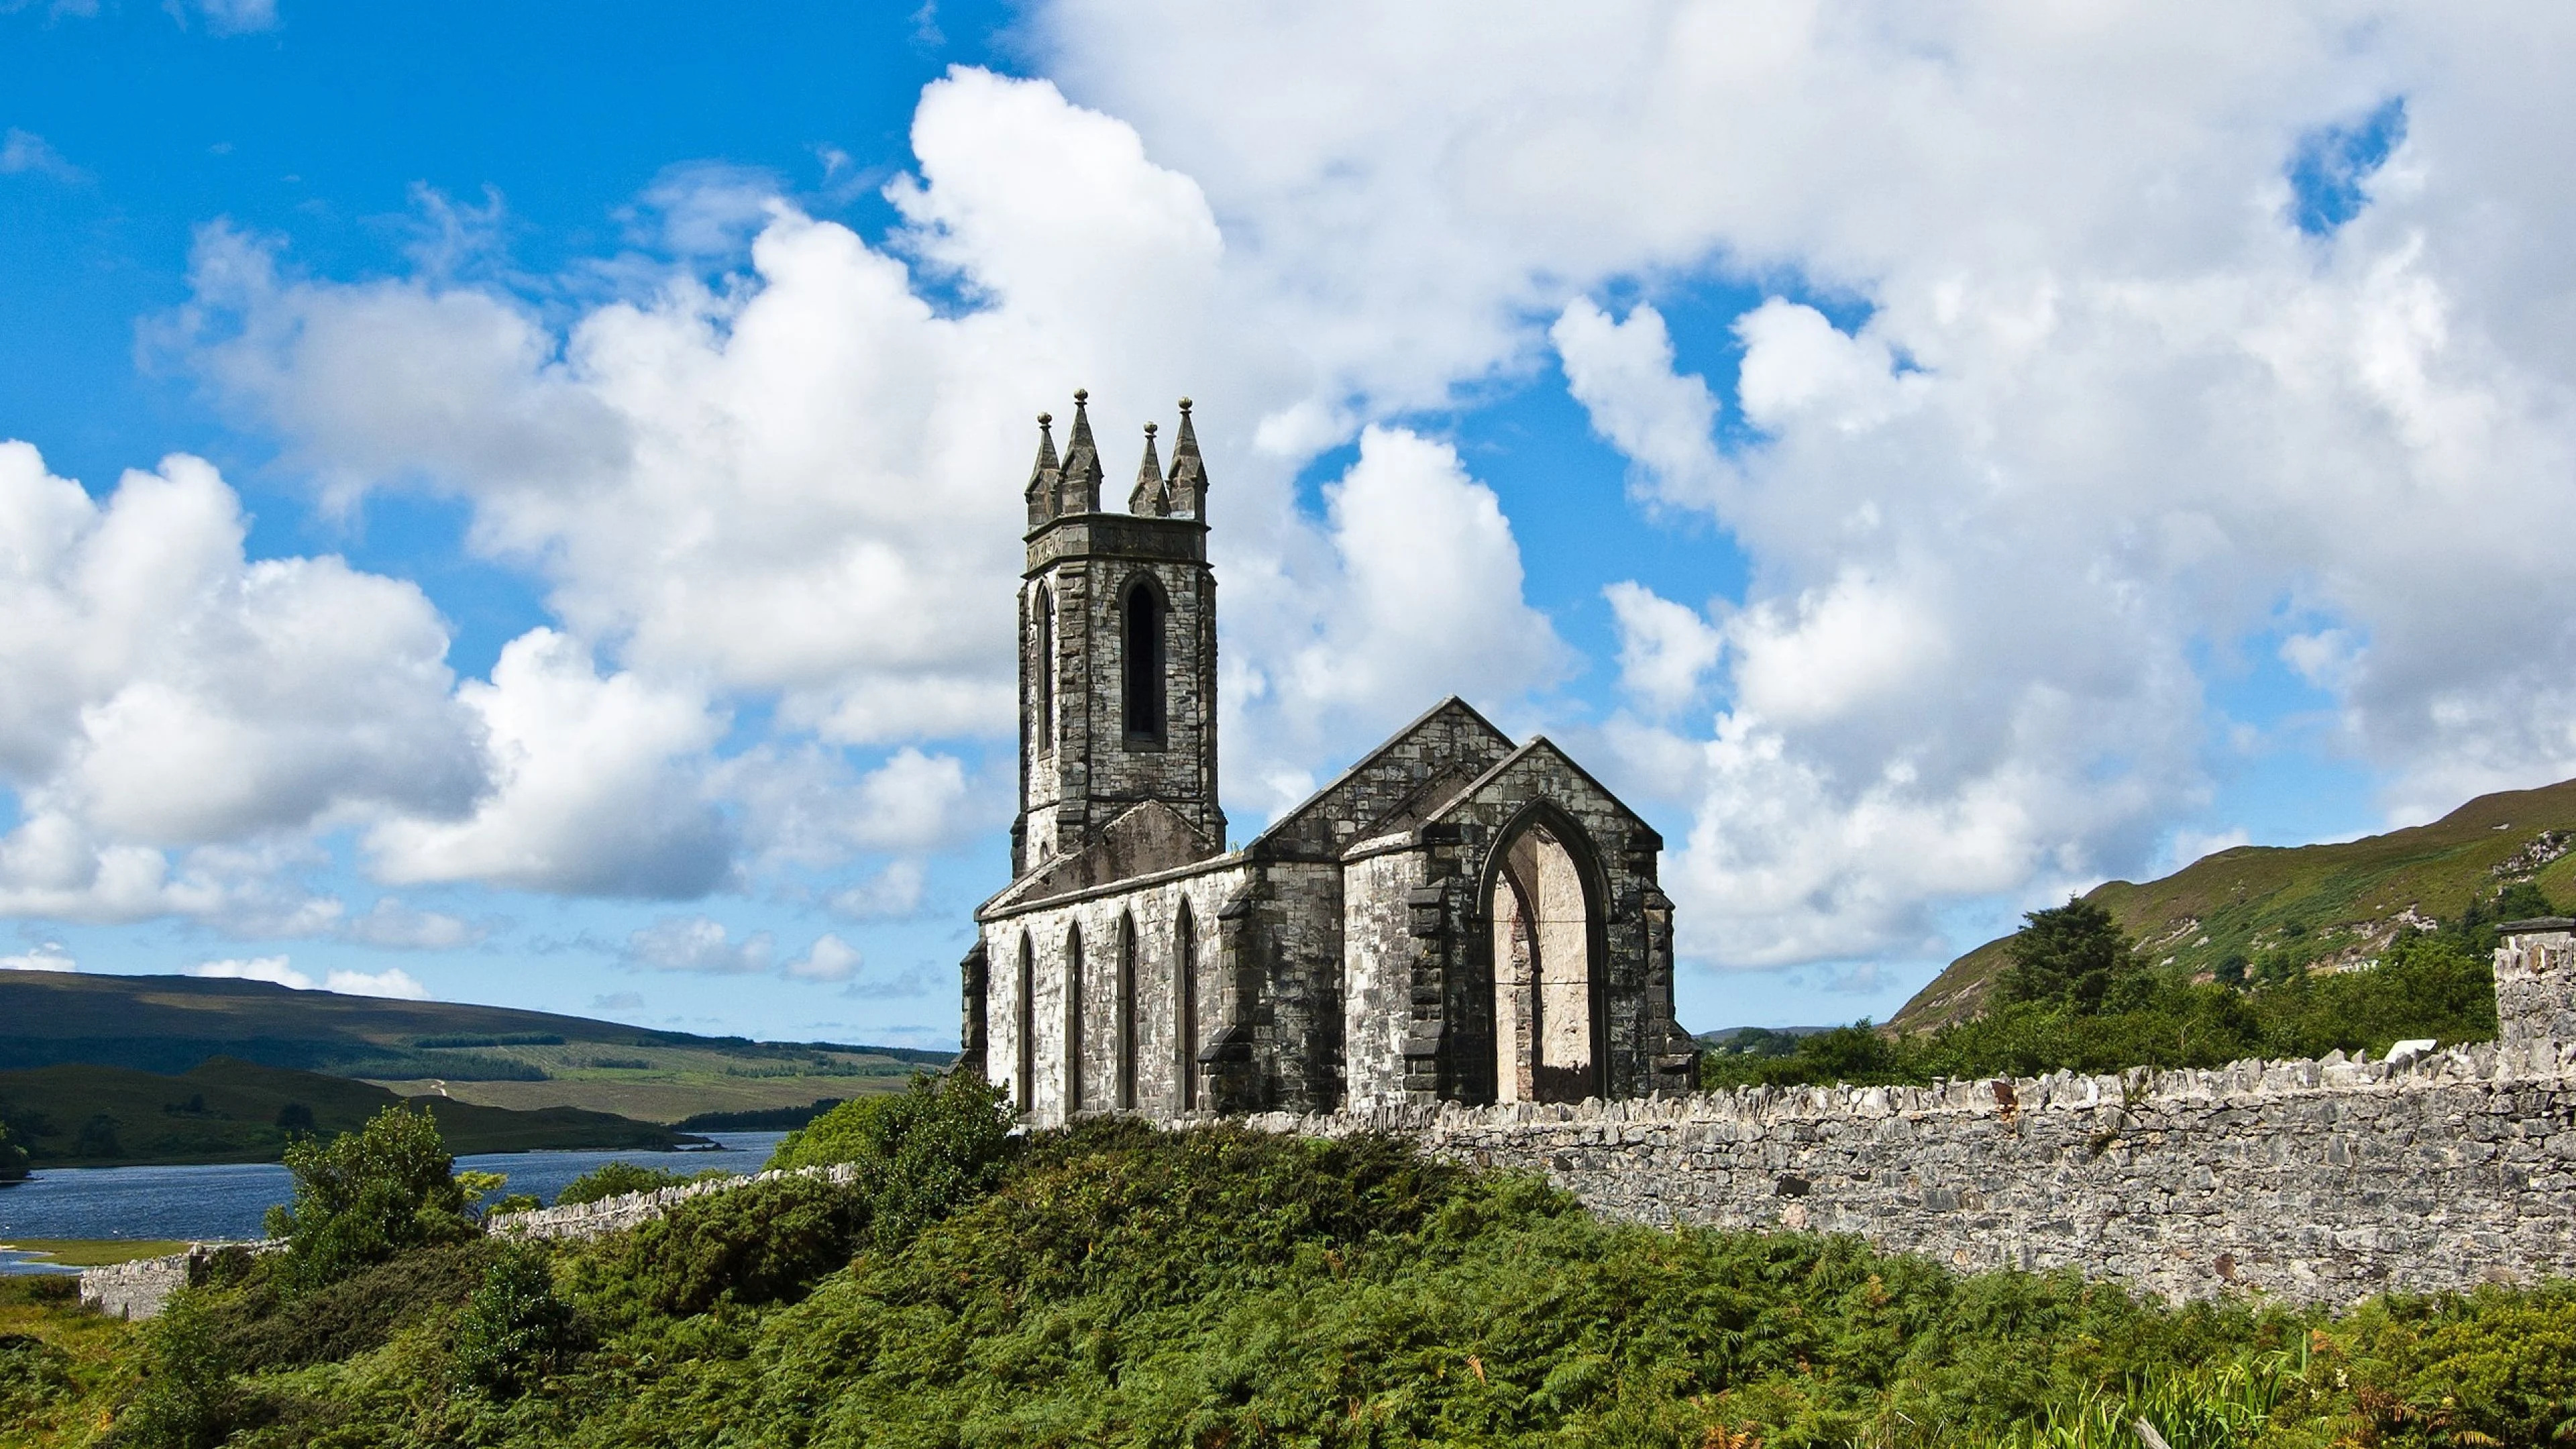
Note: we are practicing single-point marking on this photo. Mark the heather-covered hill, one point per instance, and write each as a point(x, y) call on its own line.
point(2340, 903)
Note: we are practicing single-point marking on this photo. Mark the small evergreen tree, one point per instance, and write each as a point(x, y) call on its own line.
point(2070, 955)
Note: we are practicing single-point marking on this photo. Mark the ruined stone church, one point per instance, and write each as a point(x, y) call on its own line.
point(1457, 918)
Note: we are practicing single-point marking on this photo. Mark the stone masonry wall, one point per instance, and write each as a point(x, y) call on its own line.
point(2535, 981)
point(2308, 1181)
point(2313, 1181)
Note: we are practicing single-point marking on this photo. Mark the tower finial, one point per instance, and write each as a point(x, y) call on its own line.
point(1043, 476)
point(1187, 487)
point(1149, 499)
point(1079, 491)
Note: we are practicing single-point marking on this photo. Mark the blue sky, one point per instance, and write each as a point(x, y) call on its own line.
point(1924, 489)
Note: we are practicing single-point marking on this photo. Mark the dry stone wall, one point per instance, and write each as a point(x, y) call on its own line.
point(2312, 1181)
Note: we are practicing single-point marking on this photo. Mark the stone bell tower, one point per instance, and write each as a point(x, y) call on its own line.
point(1117, 648)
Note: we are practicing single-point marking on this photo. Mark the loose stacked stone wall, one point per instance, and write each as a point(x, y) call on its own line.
point(2313, 1181)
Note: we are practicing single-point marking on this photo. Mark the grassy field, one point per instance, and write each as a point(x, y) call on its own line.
point(232, 1111)
point(2339, 903)
point(483, 1055)
point(92, 1252)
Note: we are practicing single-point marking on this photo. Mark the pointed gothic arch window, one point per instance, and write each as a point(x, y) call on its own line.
point(1043, 665)
point(1185, 1006)
point(1072, 1020)
point(1144, 656)
point(1025, 1027)
point(1126, 1013)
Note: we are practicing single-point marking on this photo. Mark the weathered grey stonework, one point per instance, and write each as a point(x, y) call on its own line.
point(139, 1289)
point(2307, 1181)
point(634, 1209)
point(2535, 978)
point(1456, 918)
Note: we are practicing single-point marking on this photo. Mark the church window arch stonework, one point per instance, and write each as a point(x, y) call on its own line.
point(1144, 687)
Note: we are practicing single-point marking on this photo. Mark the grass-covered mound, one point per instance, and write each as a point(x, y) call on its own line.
point(1111, 1284)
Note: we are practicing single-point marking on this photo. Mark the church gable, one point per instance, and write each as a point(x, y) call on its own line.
point(1539, 774)
point(1418, 765)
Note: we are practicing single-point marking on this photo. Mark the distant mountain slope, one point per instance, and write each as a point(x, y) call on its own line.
point(2327, 901)
point(236, 1111)
point(497, 1054)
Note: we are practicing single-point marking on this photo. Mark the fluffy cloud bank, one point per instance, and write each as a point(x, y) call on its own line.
point(2113, 417)
point(2063, 410)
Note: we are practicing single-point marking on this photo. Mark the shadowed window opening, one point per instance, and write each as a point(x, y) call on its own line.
point(1025, 1072)
point(1044, 664)
point(1073, 1021)
point(1144, 664)
point(1185, 974)
point(1126, 1013)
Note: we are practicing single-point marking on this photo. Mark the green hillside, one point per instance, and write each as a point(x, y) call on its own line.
point(2321, 903)
point(494, 1056)
point(236, 1111)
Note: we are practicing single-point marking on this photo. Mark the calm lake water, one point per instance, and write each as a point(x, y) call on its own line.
point(227, 1201)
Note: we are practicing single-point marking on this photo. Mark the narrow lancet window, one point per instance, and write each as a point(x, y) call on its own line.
point(1044, 665)
point(1144, 664)
point(1127, 1013)
point(1185, 974)
point(1025, 1074)
point(1073, 1021)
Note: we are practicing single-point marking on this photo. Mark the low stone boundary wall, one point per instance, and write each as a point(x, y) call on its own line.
point(2313, 1181)
point(137, 1289)
point(616, 1214)
point(2308, 1181)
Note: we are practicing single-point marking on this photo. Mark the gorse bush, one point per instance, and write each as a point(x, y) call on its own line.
point(757, 1244)
point(365, 1196)
point(515, 1329)
point(921, 1153)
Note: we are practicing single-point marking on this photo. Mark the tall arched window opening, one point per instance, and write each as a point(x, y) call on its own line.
point(1044, 664)
point(1185, 1006)
point(1072, 1020)
point(1025, 1075)
point(1144, 663)
point(1127, 1013)
point(1546, 973)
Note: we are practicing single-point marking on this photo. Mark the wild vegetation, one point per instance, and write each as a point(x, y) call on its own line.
point(1113, 1284)
point(2076, 993)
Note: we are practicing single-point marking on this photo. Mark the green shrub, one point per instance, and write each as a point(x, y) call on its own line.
point(2496, 1366)
point(922, 1153)
point(261, 1326)
point(617, 1179)
point(759, 1243)
point(184, 1395)
point(366, 1196)
point(33, 1374)
point(516, 1331)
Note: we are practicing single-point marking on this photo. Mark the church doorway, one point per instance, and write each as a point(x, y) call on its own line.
point(1547, 972)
